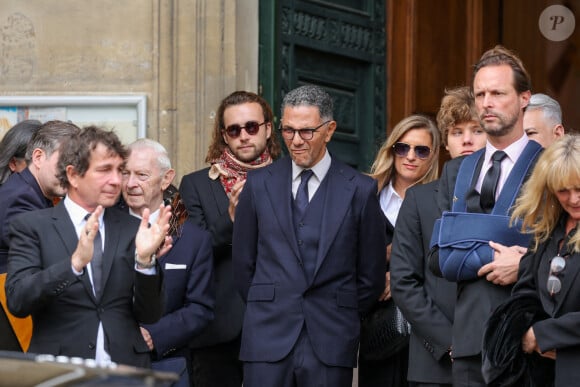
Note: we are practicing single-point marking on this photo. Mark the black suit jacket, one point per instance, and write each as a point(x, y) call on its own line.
point(207, 205)
point(426, 301)
point(20, 193)
point(560, 330)
point(64, 311)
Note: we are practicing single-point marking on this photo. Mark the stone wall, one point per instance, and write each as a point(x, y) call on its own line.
point(185, 55)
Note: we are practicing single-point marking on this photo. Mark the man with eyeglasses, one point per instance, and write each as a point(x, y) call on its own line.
point(309, 255)
point(479, 190)
point(243, 140)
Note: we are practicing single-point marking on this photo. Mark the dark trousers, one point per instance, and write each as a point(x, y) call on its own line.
point(217, 365)
point(301, 368)
point(391, 372)
point(466, 372)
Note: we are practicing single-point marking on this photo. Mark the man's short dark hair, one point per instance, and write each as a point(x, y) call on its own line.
point(49, 137)
point(77, 150)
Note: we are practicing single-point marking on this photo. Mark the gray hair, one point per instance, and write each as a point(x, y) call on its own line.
point(163, 160)
point(49, 136)
point(310, 95)
point(548, 105)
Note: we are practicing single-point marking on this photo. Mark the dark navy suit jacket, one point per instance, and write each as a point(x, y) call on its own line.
point(189, 294)
point(349, 274)
point(20, 193)
point(207, 206)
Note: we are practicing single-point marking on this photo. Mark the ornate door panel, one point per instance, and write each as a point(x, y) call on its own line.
point(339, 46)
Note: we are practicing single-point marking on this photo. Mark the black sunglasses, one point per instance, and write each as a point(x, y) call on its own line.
point(554, 284)
point(402, 149)
point(251, 127)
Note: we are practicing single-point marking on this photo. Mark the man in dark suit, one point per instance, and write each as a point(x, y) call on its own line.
point(243, 139)
point(501, 87)
point(426, 300)
point(187, 267)
point(308, 253)
point(86, 272)
point(36, 186)
point(33, 188)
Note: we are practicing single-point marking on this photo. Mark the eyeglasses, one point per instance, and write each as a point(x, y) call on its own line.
point(557, 264)
point(402, 149)
point(252, 127)
point(305, 134)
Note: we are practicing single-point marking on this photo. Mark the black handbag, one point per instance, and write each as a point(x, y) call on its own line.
point(384, 332)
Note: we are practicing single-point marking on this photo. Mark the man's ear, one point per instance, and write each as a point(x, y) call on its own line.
point(37, 156)
point(559, 130)
point(72, 176)
point(167, 179)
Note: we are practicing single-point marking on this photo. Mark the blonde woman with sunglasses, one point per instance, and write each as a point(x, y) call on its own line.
point(409, 156)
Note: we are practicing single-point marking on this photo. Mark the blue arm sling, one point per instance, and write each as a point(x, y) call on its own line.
point(463, 237)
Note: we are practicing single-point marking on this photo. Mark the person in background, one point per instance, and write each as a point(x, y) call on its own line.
point(457, 120)
point(543, 120)
point(33, 188)
point(408, 157)
point(428, 301)
point(84, 271)
point(187, 267)
point(243, 140)
point(36, 186)
point(308, 254)
point(550, 209)
point(13, 148)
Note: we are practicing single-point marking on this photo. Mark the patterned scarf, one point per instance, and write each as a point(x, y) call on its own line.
point(231, 170)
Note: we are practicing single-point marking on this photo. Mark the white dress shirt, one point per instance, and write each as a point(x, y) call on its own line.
point(390, 202)
point(513, 153)
point(320, 170)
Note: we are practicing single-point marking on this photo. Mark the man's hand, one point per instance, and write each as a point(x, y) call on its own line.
point(147, 338)
point(83, 254)
point(387, 292)
point(529, 345)
point(503, 270)
point(234, 197)
point(149, 239)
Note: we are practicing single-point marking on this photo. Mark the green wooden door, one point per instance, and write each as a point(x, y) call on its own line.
point(339, 45)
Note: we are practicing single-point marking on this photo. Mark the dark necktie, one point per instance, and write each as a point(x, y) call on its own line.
point(489, 185)
point(301, 200)
point(97, 263)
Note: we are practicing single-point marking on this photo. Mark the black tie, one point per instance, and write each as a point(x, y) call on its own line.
point(97, 263)
point(489, 185)
point(301, 200)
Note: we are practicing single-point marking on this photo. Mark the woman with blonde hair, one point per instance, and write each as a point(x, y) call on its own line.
point(409, 156)
point(549, 209)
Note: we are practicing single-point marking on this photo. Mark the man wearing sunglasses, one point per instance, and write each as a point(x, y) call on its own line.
point(485, 182)
point(309, 255)
point(243, 139)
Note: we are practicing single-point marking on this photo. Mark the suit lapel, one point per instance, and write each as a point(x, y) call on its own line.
point(279, 188)
point(219, 194)
point(67, 234)
point(339, 192)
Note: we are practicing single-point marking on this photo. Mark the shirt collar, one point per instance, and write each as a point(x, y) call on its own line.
point(152, 217)
point(513, 151)
point(320, 169)
point(77, 213)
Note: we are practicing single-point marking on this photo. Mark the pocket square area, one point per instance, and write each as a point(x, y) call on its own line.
point(175, 266)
